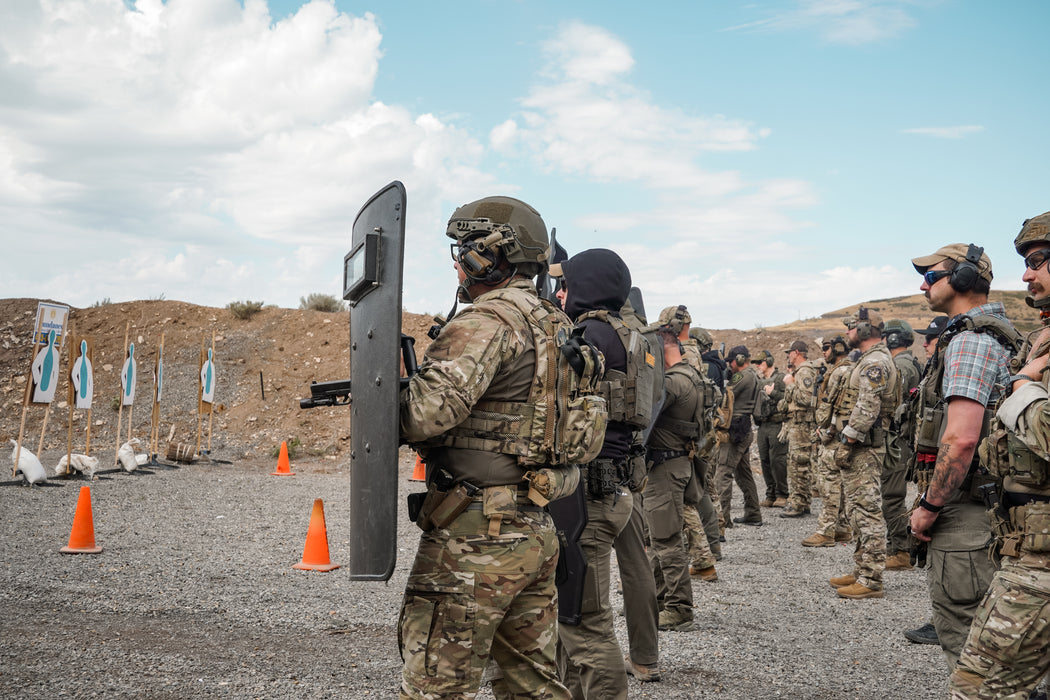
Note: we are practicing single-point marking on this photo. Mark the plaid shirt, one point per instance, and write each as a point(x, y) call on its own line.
point(976, 366)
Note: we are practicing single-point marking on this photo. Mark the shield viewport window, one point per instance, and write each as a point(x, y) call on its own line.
point(361, 269)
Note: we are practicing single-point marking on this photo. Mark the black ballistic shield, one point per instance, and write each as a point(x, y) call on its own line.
point(570, 518)
point(372, 273)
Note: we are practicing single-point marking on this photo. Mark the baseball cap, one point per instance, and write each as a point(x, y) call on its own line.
point(799, 346)
point(936, 327)
point(739, 350)
point(956, 252)
point(764, 356)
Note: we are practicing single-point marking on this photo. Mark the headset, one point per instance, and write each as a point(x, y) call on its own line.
point(838, 346)
point(864, 330)
point(479, 258)
point(965, 274)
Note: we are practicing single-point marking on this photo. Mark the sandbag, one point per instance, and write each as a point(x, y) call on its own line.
point(126, 455)
point(28, 464)
point(80, 463)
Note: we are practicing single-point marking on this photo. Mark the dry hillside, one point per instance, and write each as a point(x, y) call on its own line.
point(265, 366)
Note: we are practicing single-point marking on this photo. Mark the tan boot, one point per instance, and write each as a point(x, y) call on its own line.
point(856, 591)
point(767, 503)
point(843, 535)
point(818, 539)
point(842, 581)
point(780, 502)
point(671, 622)
point(901, 561)
point(704, 574)
point(645, 674)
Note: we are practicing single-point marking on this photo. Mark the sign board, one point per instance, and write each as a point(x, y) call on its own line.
point(50, 317)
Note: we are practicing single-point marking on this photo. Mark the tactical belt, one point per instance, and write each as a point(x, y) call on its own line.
point(604, 476)
point(1012, 499)
point(658, 457)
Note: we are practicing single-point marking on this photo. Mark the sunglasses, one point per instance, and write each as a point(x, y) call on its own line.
point(1035, 260)
point(931, 276)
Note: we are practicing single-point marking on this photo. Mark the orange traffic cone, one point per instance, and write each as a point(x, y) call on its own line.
point(82, 536)
point(315, 553)
point(420, 472)
point(283, 468)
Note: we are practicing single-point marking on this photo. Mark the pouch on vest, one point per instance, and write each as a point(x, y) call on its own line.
point(629, 394)
point(764, 406)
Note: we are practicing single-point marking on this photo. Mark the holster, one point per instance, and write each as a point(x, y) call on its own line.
point(437, 508)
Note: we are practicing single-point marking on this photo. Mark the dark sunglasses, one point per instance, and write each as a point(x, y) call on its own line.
point(931, 276)
point(1035, 260)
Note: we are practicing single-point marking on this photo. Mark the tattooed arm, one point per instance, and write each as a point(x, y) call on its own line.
point(961, 434)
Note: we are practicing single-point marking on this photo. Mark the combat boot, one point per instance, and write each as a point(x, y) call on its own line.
point(901, 561)
point(790, 511)
point(842, 581)
point(780, 502)
point(844, 535)
point(856, 591)
point(645, 674)
point(927, 634)
point(707, 573)
point(818, 539)
point(672, 622)
point(767, 503)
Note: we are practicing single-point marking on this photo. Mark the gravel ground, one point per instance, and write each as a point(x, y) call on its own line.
point(194, 596)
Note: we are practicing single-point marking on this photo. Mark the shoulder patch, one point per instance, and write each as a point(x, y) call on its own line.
point(807, 381)
point(875, 375)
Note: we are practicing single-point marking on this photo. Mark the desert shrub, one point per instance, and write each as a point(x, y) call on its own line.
point(101, 302)
point(244, 310)
point(321, 302)
point(294, 445)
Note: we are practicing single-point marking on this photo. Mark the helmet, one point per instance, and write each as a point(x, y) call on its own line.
point(898, 334)
point(702, 337)
point(1034, 230)
point(868, 322)
point(837, 345)
point(673, 319)
point(494, 229)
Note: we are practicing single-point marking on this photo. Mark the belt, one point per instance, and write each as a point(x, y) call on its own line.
point(1020, 498)
point(661, 456)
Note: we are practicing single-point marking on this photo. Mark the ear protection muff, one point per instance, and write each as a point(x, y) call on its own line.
point(480, 258)
point(740, 359)
point(863, 324)
point(965, 274)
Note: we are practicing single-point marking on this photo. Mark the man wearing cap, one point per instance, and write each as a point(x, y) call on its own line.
point(962, 384)
point(800, 399)
point(671, 444)
point(899, 337)
point(832, 523)
point(734, 455)
point(930, 335)
point(1007, 650)
point(772, 453)
point(861, 428)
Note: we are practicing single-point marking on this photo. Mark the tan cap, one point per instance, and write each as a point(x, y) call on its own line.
point(555, 270)
point(956, 252)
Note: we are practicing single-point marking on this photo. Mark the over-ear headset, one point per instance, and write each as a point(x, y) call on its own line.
point(837, 345)
point(479, 258)
point(965, 273)
point(863, 324)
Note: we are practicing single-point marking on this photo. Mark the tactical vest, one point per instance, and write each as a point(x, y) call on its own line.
point(831, 391)
point(931, 409)
point(847, 400)
point(692, 427)
point(795, 394)
point(712, 397)
point(629, 396)
point(563, 422)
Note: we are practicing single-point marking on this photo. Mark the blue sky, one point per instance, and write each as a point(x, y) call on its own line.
point(759, 162)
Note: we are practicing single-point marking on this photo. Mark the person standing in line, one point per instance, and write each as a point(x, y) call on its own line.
point(772, 452)
point(734, 456)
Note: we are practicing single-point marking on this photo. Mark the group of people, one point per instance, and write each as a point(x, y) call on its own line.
point(528, 398)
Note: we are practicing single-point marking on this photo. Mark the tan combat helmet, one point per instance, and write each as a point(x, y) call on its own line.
point(1034, 230)
point(498, 227)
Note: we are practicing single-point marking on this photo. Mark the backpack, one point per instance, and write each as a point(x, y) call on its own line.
point(629, 395)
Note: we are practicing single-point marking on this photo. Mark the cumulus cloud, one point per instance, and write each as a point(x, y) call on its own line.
point(851, 22)
point(946, 132)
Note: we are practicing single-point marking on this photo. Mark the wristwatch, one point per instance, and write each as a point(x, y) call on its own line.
point(923, 503)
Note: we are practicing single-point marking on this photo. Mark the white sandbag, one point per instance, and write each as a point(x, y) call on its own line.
point(142, 459)
point(80, 463)
point(28, 464)
point(126, 455)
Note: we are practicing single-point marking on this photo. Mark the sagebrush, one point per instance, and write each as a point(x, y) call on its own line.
point(321, 302)
point(244, 310)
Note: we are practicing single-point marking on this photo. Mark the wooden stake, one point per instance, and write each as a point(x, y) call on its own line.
point(25, 401)
point(120, 411)
point(87, 448)
point(43, 429)
point(71, 397)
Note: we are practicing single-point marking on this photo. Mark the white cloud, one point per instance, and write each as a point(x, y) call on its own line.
point(851, 22)
point(945, 132)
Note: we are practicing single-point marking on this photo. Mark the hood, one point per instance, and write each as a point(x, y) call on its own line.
point(598, 279)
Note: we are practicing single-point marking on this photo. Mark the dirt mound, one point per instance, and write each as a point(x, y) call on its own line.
point(265, 366)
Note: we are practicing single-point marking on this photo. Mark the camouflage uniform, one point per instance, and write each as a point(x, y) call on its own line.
point(483, 587)
point(669, 448)
point(734, 456)
point(833, 514)
point(1008, 647)
point(864, 414)
point(800, 401)
point(700, 516)
point(895, 472)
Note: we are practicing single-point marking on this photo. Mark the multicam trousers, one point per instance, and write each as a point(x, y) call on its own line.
point(800, 467)
point(1008, 648)
point(471, 596)
point(833, 514)
point(861, 479)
